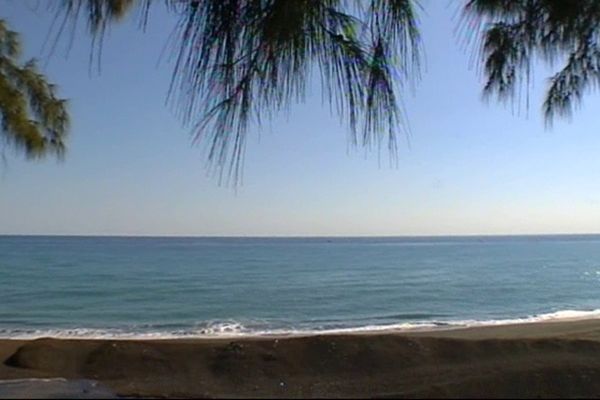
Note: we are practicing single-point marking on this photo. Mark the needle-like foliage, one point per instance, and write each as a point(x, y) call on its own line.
point(32, 117)
point(238, 61)
point(517, 32)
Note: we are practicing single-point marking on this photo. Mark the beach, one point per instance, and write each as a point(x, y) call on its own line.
point(300, 317)
point(535, 360)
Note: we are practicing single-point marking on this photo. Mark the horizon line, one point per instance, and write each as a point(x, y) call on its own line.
point(92, 235)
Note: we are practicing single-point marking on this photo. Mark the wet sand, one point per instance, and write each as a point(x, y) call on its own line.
point(554, 359)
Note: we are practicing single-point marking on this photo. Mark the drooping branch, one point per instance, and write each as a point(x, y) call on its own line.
point(32, 117)
point(239, 61)
point(516, 33)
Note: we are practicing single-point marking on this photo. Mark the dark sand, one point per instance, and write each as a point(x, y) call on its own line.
point(557, 359)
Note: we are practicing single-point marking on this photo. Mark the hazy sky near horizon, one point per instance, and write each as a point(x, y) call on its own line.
point(471, 167)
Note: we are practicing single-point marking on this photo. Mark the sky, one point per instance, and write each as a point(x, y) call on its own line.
point(470, 167)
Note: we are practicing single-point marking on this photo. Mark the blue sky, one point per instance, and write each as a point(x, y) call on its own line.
point(471, 167)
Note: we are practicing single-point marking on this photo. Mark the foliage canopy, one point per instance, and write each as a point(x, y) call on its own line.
point(239, 61)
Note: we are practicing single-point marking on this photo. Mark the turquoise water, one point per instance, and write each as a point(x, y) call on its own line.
point(179, 287)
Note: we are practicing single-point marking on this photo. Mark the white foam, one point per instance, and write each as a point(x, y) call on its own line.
point(563, 315)
point(234, 329)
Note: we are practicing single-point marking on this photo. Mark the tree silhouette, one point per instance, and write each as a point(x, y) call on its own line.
point(33, 119)
point(239, 61)
point(515, 33)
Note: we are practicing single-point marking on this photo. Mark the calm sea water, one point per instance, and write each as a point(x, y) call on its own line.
point(172, 287)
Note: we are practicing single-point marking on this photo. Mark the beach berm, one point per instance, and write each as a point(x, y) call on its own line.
point(536, 360)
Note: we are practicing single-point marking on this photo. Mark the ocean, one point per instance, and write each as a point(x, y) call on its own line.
point(150, 287)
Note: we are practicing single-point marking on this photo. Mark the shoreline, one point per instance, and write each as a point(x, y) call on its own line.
point(423, 328)
point(541, 359)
